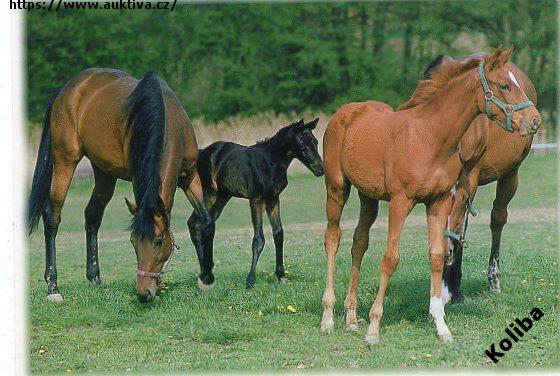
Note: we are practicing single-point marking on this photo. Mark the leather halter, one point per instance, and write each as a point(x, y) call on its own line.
point(507, 108)
point(174, 247)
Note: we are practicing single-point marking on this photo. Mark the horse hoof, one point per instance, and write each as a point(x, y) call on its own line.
point(372, 340)
point(352, 327)
point(203, 286)
point(327, 326)
point(446, 337)
point(55, 297)
point(282, 280)
point(495, 289)
point(96, 282)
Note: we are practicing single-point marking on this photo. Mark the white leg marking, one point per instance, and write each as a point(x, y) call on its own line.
point(438, 314)
point(55, 297)
point(327, 323)
point(202, 286)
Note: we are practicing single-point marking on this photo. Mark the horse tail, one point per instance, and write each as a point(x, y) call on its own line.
point(146, 122)
point(42, 176)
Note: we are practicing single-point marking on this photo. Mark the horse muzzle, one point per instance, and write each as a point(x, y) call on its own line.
point(532, 126)
point(317, 169)
point(146, 292)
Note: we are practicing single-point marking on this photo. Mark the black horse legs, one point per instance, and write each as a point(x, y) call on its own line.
point(273, 211)
point(257, 208)
point(100, 197)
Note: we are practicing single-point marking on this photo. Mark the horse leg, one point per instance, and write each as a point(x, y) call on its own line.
point(437, 212)
point(201, 229)
point(273, 212)
point(452, 270)
point(337, 195)
point(100, 197)
point(505, 190)
point(399, 208)
point(62, 177)
point(368, 214)
point(257, 208)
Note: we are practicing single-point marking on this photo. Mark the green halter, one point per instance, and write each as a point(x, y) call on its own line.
point(508, 109)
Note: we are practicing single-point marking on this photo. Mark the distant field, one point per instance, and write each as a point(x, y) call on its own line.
point(229, 328)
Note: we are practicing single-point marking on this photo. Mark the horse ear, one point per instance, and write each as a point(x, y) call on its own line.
point(300, 123)
point(507, 54)
point(498, 58)
point(131, 206)
point(312, 124)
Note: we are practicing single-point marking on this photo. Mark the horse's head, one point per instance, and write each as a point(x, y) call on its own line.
point(304, 146)
point(153, 246)
point(502, 98)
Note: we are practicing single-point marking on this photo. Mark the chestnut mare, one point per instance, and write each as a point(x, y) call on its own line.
point(131, 130)
point(489, 155)
point(407, 157)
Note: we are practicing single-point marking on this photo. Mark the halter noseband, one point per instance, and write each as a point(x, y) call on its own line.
point(174, 247)
point(507, 108)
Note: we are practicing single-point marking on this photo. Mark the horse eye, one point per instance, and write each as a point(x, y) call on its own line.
point(158, 241)
point(504, 87)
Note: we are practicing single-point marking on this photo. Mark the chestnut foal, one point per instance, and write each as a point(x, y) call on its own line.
point(406, 157)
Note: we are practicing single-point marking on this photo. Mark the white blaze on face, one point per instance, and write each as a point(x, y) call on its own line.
point(512, 76)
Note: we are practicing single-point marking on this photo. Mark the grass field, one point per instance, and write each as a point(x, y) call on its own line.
point(229, 328)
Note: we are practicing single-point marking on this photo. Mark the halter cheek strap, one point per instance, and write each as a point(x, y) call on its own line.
point(174, 247)
point(507, 108)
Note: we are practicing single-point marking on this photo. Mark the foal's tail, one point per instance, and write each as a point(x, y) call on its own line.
point(42, 177)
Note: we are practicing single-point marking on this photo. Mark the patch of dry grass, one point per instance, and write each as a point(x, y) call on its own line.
point(245, 130)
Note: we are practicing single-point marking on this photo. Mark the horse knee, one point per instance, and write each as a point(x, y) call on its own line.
point(437, 259)
point(498, 218)
point(389, 263)
point(92, 219)
point(332, 237)
point(258, 243)
point(278, 234)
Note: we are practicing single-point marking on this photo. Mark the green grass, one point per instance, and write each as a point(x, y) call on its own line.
point(106, 329)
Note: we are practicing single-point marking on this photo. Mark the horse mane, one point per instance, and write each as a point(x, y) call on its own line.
point(437, 79)
point(146, 121)
point(433, 64)
point(277, 137)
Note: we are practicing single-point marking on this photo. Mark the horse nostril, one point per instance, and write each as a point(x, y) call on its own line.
point(535, 124)
point(145, 296)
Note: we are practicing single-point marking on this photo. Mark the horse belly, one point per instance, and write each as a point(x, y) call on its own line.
point(103, 145)
point(362, 165)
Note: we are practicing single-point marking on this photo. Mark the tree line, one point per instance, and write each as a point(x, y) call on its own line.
point(228, 59)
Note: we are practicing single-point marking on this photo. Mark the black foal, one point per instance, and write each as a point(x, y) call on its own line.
point(257, 173)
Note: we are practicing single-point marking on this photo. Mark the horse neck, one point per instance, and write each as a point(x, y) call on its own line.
point(448, 115)
point(280, 150)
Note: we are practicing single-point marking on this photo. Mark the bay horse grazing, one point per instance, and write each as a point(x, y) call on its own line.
point(489, 155)
point(130, 129)
point(257, 173)
point(406, 157)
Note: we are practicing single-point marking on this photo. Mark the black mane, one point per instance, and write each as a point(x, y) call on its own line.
point(146, 121)
point(279, 141)
point(434, 63)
